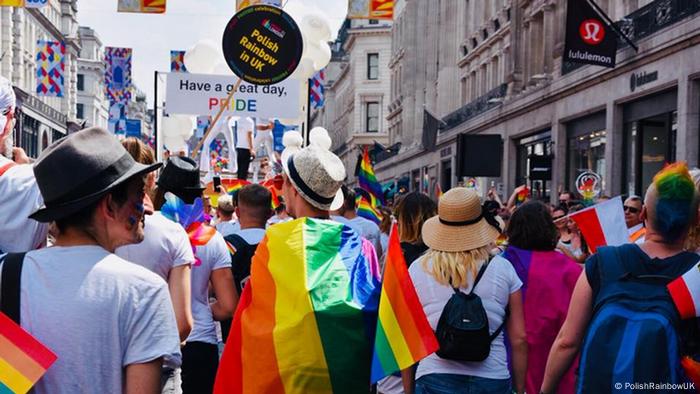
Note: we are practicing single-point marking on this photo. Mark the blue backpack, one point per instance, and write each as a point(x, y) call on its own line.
point(634, 334)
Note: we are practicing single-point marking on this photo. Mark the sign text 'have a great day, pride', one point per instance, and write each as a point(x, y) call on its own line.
point(198, 94)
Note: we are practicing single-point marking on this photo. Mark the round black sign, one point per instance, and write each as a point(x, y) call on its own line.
point(262, 45)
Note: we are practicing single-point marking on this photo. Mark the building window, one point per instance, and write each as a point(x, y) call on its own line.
point(81, 82)
point(372, 117)
point(586, 148)
point(80, 111)
point(535, 145)
point(372, 66)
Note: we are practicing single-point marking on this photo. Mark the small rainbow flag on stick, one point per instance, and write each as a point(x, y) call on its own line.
point(233, 186)
point(23, 359)
point(366, 210)
point(404, 336)
point(367, 179)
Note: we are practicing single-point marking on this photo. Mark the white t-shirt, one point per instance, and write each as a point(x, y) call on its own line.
point(19, 198)
point(214, 256)
point(498, 283)
point(98, 313)
point(245, 126)
point(369, 230)
point(165, 246)
point(252, 236)
point(228, 227)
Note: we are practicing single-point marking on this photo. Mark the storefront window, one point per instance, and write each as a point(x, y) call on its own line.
point(535, 145)
point(586, 153)
point(650, 144)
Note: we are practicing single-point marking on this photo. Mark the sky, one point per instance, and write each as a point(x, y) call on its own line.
point(184, 23)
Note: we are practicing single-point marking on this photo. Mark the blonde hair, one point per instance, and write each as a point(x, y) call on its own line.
point(451, 268)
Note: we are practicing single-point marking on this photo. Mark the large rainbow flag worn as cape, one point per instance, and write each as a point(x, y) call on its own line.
point(306, 320)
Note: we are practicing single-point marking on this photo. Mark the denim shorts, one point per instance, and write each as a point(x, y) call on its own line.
point(445, 383)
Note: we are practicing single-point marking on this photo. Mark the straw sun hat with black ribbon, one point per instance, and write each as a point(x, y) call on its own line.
point(460, 224)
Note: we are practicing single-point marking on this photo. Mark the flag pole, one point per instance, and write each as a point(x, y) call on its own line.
point(216, 119)
point(612, 24)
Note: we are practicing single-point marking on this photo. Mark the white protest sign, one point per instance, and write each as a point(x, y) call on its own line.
point(200, 94)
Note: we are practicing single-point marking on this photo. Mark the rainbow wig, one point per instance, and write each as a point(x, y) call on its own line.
point(676, 201)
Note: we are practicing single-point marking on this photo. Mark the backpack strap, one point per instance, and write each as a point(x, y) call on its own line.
point(476, 281)
point(479, 276)
point(10, 291)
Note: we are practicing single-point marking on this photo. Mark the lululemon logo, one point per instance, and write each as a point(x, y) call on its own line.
point(592, 31)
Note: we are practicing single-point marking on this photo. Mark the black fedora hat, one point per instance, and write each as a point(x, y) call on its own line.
point(180, 176)
point(79, 169)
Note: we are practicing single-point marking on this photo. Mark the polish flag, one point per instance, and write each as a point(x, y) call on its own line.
point(603, 224)
point(685, 292)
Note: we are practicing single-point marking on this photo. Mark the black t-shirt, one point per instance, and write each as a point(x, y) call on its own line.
point(411, 252)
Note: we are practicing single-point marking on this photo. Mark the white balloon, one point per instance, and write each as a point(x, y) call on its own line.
point(186, 126)
point(320, 55)
point(305, 70)
point(201, 58)
point(315, 27)
point(332, 11)
point(173, 143)
point(222, 69)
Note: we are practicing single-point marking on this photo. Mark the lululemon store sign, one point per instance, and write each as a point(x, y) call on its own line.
point(262, 45)
point(589, 40)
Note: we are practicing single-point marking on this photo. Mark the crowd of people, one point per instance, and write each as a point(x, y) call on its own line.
point(132, 300)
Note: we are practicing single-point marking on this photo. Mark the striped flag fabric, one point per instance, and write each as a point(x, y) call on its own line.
point(233, 186)
point(177, 61)
point(306, 320)
point(142, 6)
point(404, 336)
point(368, 211)
point(685, 292)
point(50, 68)
point(603, 224)
point(438, 191)
point(367, 179)
point(23, 359)
point(316, 89)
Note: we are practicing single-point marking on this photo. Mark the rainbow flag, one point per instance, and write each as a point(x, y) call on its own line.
point(367, 179)
point(306, 320)
point(366, 210)
point(438, 191)
point(233, 186)
point(404, 336)
point(23, 359)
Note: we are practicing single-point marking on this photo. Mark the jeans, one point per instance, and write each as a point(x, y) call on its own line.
point(445, 383)
point(200, 361)
point(243, 161)
point(170, 382)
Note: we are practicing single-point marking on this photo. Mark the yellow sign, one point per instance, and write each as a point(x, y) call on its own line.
point(241, 4)
point(11, 3)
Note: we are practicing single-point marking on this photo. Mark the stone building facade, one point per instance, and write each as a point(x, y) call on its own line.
point(41, 120)
point(92, 106)
point(357, 90)
point(495, 68)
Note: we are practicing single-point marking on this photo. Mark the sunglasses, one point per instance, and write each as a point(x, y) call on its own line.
point(631, 209)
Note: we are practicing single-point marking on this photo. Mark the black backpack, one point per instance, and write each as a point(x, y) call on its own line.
point(10, 292)
point(463, 328)
point(240, 265)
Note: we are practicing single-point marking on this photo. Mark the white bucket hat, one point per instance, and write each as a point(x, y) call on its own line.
point(315, 172)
